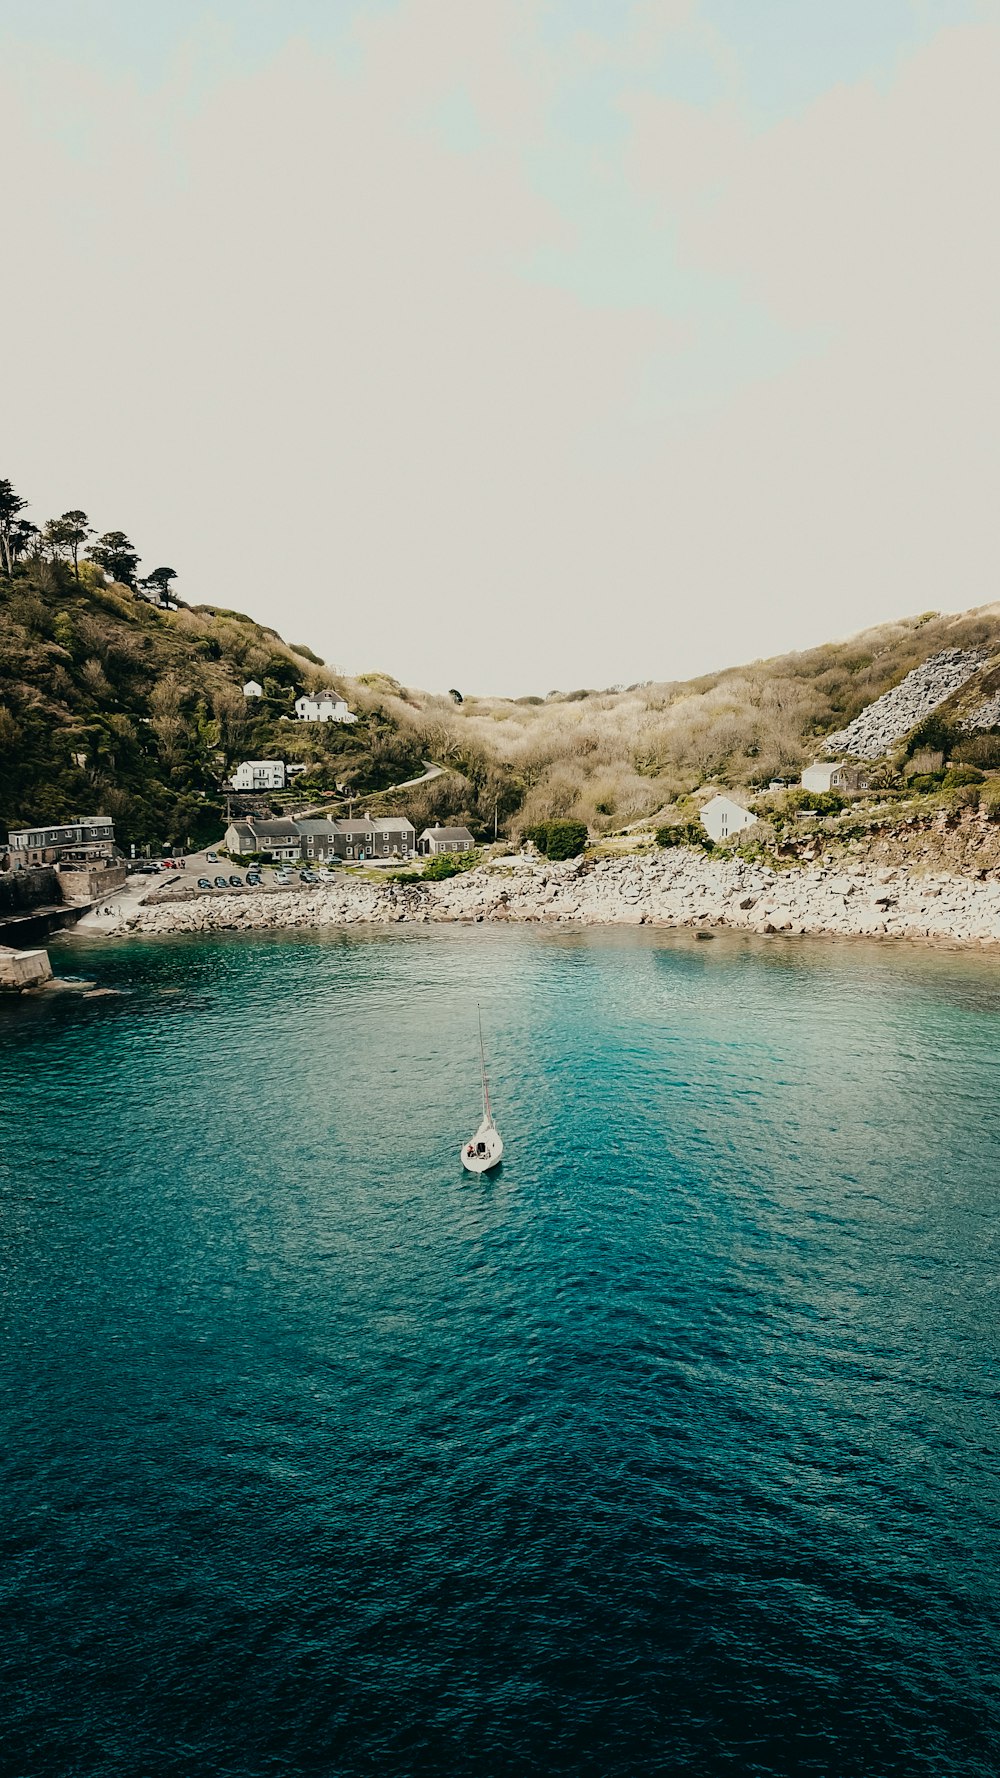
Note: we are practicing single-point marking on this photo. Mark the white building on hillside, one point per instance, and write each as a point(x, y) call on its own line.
point(834, 775)
point(445, 839)
point(252, 689)
point(259, 774)
point(326, 706)
point(721, 818)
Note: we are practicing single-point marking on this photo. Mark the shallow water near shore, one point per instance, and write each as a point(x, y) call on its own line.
point(671, 1447)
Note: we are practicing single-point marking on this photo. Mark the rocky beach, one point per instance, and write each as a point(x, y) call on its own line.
point(676, 888)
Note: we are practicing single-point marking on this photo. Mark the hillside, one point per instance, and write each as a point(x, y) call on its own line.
point(619, 756)
point(110, 704)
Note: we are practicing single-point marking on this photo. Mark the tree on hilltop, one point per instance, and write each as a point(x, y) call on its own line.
point(65, 535)
point(75, 528)
point(116, 555)
point(23, 535)
point(160, 579)
point(11, 505)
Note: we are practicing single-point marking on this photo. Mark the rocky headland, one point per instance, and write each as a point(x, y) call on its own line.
point(676, 888)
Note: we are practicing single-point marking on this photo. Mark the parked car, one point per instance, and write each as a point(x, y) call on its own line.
point(237, 882)
point(282, 876)
point(204, 882)
point(253, 879)
point(220, 883)
point(211, 857)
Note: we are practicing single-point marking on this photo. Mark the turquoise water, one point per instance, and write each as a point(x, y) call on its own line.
point(671, 1447)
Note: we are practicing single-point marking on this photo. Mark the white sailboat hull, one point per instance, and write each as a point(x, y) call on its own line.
point(489, 1137)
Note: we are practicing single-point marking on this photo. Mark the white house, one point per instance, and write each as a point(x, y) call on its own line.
point(445, 839)
point(259, 774)
point(326, 706)
point(835, 775)
point(721, 818)
point(252, 689)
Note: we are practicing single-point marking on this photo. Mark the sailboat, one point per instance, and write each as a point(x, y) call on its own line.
point(485, 1151)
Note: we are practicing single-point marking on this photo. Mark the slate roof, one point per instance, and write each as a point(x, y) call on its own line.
point(282, 829)
point(450, 835)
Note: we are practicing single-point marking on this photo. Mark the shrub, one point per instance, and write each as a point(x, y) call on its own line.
point(927, 781)
point(558, 839)
point(978, 750)
point(956, 775)
point(824, 802)
point(935, 732)
point(449, 864)
point(925, 761)
point(989, 802)
point(684, 833)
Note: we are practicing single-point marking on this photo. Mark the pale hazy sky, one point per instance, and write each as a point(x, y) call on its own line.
point(513, 344)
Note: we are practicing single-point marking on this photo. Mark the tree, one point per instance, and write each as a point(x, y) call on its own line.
point(55, 539)
point(75, 529)
point(115, 554)
point(10, 505)
point(558, 839)
point(22, 535)
point(160, 579)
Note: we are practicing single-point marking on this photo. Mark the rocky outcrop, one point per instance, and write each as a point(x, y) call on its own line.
point(675, 888)
point(893, 715)
point(985, 716)
point(23, 969)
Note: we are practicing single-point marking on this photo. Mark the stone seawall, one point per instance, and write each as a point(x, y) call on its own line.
point(677, 888)
point(22, 891)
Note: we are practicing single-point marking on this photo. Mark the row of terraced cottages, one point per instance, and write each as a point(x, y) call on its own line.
point(355, 840)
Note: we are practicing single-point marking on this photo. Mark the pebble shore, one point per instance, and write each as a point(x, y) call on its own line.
point(678, 888)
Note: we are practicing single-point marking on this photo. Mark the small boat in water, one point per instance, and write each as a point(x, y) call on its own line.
point(485, 1151)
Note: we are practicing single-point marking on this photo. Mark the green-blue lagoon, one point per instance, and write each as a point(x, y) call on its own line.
point(670, 1447)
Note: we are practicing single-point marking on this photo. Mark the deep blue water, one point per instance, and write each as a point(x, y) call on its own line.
point(673, 1447)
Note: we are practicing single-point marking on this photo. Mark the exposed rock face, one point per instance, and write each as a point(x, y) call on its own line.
point(676, 888)
point(898, 711)
point(985, 715)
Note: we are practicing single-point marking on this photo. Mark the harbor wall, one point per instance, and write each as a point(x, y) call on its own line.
point(22, 891)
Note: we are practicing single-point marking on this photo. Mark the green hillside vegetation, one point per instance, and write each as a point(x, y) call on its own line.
point(110, 705)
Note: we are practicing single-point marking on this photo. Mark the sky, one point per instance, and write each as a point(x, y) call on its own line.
point(513, 345)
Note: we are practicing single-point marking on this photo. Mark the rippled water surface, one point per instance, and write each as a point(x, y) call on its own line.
point(672, 1447)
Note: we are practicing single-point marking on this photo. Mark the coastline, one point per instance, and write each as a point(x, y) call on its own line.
point(676, 889)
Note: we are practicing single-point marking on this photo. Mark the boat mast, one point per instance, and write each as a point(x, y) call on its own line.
point(487, 1113)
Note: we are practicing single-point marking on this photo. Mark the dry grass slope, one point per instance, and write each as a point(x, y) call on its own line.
point(617, 757)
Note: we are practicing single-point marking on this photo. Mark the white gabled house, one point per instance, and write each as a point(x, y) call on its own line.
point(722, 817)
point(835, 775)
point(259, 774)
point(326, 706)
point(252, 689)
point(444, 839)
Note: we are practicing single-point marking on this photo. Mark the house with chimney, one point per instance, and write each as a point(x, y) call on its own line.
point(444, 839)
point(326, 706)
point(280, 838)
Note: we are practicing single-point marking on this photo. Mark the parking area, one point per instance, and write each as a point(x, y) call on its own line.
point(208, 873)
